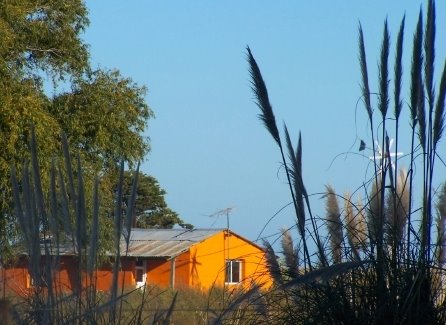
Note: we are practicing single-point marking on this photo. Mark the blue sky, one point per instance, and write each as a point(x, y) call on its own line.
point(209, 150)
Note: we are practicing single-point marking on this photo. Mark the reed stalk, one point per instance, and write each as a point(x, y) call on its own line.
point(384, 270)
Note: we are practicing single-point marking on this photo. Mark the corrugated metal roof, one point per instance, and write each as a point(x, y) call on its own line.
point(164, 243)
point(156, 243)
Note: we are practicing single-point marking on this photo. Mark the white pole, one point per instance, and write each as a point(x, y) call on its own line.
point(172, 273)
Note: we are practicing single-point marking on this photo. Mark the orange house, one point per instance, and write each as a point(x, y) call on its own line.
point(199, 258)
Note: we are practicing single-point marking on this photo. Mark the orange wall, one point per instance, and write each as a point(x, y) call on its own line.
point(104, 275)
point(202, 267)
point(66, 277)
point(14, 280)
point(159, 271)
point(209, 257)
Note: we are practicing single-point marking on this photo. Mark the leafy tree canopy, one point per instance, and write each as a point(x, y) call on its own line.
point(43, 35)
point(151, 210)
point(103, 114)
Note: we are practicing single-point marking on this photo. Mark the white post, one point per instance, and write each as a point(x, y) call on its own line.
point(172, 273)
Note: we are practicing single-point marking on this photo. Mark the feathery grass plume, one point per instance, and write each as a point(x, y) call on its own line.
point(296, 177)
point(398, 69)
point(422, 128)
point(374, 213)
point(389, 161)
point(262, 100)
point(441, 241)
point(401, 283)
point(267, 116)
point(365, 78)
point(350, 223)
point(361, 223)
point(236, 304)
point(334, 224)
point(302, 192)
point(353, 233)
point(131, 209)
point(398, 207)
point(441, 227)
point(438, 127)
point(417, 65)
point(429, 50)
point(325, 274)
point(384, 73)
point(290, 253)
point(272, 262)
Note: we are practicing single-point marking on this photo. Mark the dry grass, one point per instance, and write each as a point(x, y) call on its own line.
point(6, 312)
point(334, 224)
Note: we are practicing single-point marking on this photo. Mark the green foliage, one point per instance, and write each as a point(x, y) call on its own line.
point(42, 35)
point(103, 117)
point(22, 105)
point(151, 210)
point(103, 114)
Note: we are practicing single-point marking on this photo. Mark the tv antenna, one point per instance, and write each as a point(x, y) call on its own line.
point(384, 156)
point(223, 212)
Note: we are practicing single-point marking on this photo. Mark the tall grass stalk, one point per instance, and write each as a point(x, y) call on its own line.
point(297, 192)
point(334, 225)
point(65, 221)
point(390, 269)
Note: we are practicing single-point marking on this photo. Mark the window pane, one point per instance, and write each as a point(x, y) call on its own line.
point(235, 271)
point(139, 275)
point(228, 271)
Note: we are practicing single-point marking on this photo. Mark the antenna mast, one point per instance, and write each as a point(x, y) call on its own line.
point(223, 212)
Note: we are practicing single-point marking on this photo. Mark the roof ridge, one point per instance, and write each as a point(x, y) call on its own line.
point(171, 229)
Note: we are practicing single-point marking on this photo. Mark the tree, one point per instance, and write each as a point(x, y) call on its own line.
point(103, 118)
point(43, 36)
point(38, 38)
point(151, 210)
point(103, 114)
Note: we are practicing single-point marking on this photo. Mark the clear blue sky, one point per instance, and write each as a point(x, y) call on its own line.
point(209, 150)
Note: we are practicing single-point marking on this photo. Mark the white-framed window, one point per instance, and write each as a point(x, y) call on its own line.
point(233, 271)
point(140, 273)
